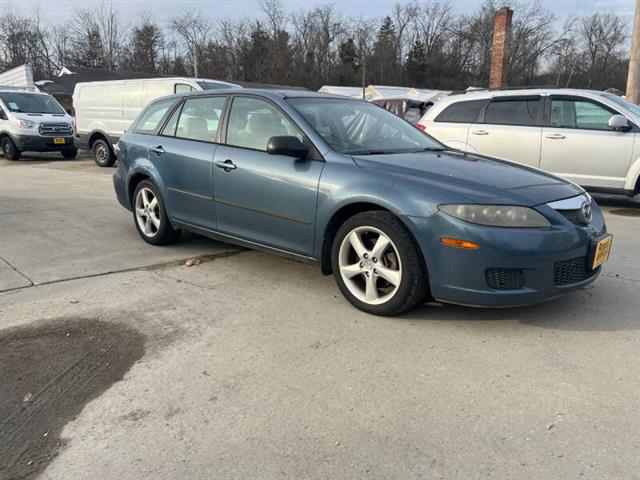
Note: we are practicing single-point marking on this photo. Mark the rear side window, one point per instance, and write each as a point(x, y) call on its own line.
point(200, 118)
point(514, 112)
point(151, 118)
point(461, 112)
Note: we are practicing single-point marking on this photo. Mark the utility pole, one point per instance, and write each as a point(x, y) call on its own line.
point(633, 80)
point(195, 59)
point(364, 73)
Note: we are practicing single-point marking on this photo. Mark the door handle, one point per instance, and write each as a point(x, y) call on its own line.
point(226, 165)
point(157, 150)
point(479, 132)
point(555, 136)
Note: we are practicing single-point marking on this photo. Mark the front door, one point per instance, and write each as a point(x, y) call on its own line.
point(511, 130)
point(578, 144)
point(183, 153)
point(263, 198)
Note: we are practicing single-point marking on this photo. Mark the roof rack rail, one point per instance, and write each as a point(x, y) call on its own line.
point(501, 89)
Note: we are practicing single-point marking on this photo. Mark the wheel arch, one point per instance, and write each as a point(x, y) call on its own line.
point(97, 134)
point(341, 215)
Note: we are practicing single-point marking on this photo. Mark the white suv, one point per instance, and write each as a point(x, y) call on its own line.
point(591, 138)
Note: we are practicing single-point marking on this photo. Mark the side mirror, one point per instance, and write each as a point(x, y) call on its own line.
point(287, 145)
point(619, 122)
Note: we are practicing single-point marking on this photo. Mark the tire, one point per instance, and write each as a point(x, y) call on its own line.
point(102, 153)
point(9, 149)
point(70, 154)
point(357, 274)
point(151, 218)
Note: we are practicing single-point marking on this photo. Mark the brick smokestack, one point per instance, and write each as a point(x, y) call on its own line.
point(500, 48)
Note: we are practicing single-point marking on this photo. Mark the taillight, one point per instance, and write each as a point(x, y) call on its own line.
point(116, 150)
point(420, 127)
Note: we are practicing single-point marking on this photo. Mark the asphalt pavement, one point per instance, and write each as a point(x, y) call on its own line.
point(248, 365)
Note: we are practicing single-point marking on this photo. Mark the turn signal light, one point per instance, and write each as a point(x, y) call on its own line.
point(455, 242)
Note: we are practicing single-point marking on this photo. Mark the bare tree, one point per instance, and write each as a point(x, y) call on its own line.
point(194, 28)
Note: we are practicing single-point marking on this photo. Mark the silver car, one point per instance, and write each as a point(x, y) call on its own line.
point(589, 137)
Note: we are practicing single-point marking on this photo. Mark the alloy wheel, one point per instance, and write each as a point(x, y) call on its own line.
point(147, 212)
point(370, 265)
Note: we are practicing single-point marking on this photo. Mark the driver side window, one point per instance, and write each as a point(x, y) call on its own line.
point(252, 122)
point(582, 114)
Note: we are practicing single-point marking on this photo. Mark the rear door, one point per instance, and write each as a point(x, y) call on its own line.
point(183, 153)
point(452, 124)
point(510, 128)
point(578, 144)
point(268, 199)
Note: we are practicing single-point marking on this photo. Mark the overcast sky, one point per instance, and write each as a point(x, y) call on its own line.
point(238, 9)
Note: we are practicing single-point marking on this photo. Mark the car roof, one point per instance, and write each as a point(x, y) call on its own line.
point(270, 93)
point(516, 92)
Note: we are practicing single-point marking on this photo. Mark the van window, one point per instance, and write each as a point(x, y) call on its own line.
point(461, 112)
point(579, 114)
point(200, 118)
point(252, 122)
point(513, 112)
point(151, 119)
point(183, 88)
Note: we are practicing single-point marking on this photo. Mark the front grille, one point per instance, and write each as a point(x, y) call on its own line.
point(571, 271)
point(571, 215)
point(504, 278)
point(55, 129)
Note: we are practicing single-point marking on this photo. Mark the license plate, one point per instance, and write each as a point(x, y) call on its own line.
point(58, 141)
point(603, 249)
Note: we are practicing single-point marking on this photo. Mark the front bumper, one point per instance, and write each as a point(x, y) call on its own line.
point(38, 143)
point(538, 262)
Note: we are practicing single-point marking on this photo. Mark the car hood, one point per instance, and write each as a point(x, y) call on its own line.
point(43, 117)
point(478, 178)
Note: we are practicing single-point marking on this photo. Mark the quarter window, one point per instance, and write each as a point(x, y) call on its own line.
point(150, 120)
point(253, 122)
point(513, 112)
point(461, 112)
point(200, 118)
point(566, 113)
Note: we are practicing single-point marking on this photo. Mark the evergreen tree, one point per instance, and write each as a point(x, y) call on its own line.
point(417, 65)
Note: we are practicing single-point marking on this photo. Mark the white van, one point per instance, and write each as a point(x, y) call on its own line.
point(104, 110)
point(34, 122)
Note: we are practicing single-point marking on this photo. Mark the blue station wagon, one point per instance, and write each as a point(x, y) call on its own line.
point(396, 216)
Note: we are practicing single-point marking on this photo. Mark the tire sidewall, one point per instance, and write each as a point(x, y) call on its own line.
point(165, 233)
point(9, 150)
point(109, 160)
point(411, 270)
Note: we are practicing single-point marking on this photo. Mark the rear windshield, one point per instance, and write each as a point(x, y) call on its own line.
point(24, 102)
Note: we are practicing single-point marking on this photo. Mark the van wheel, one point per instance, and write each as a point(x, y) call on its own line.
point(150, 216)
point(102, 153)
point(9, 149)
point(70, 154)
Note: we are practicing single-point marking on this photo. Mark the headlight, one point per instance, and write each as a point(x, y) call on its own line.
point(25, 123)
point(497, 215)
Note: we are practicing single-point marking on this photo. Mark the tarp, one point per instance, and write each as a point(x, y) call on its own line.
point(353, 92)
point(20, 77)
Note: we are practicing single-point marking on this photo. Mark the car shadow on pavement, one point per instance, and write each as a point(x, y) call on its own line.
point(575, 311)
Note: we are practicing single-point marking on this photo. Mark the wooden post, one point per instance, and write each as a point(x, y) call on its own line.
point(633, 79)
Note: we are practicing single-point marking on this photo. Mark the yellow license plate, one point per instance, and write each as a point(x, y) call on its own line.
point(603, 249)
point(58, 141)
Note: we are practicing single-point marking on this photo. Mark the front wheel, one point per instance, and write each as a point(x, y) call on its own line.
point(150, 216)
point(9, 149)
point(377, 266)
point(102, 153)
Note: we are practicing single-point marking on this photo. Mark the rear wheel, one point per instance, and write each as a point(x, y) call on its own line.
point(377, 266)
point(150, 216)
point(102, 153)
point(70, 154)
point(9, 149)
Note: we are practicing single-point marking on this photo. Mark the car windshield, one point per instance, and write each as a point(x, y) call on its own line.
point(23, 102)
point(623, 103)
point(359, 128)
